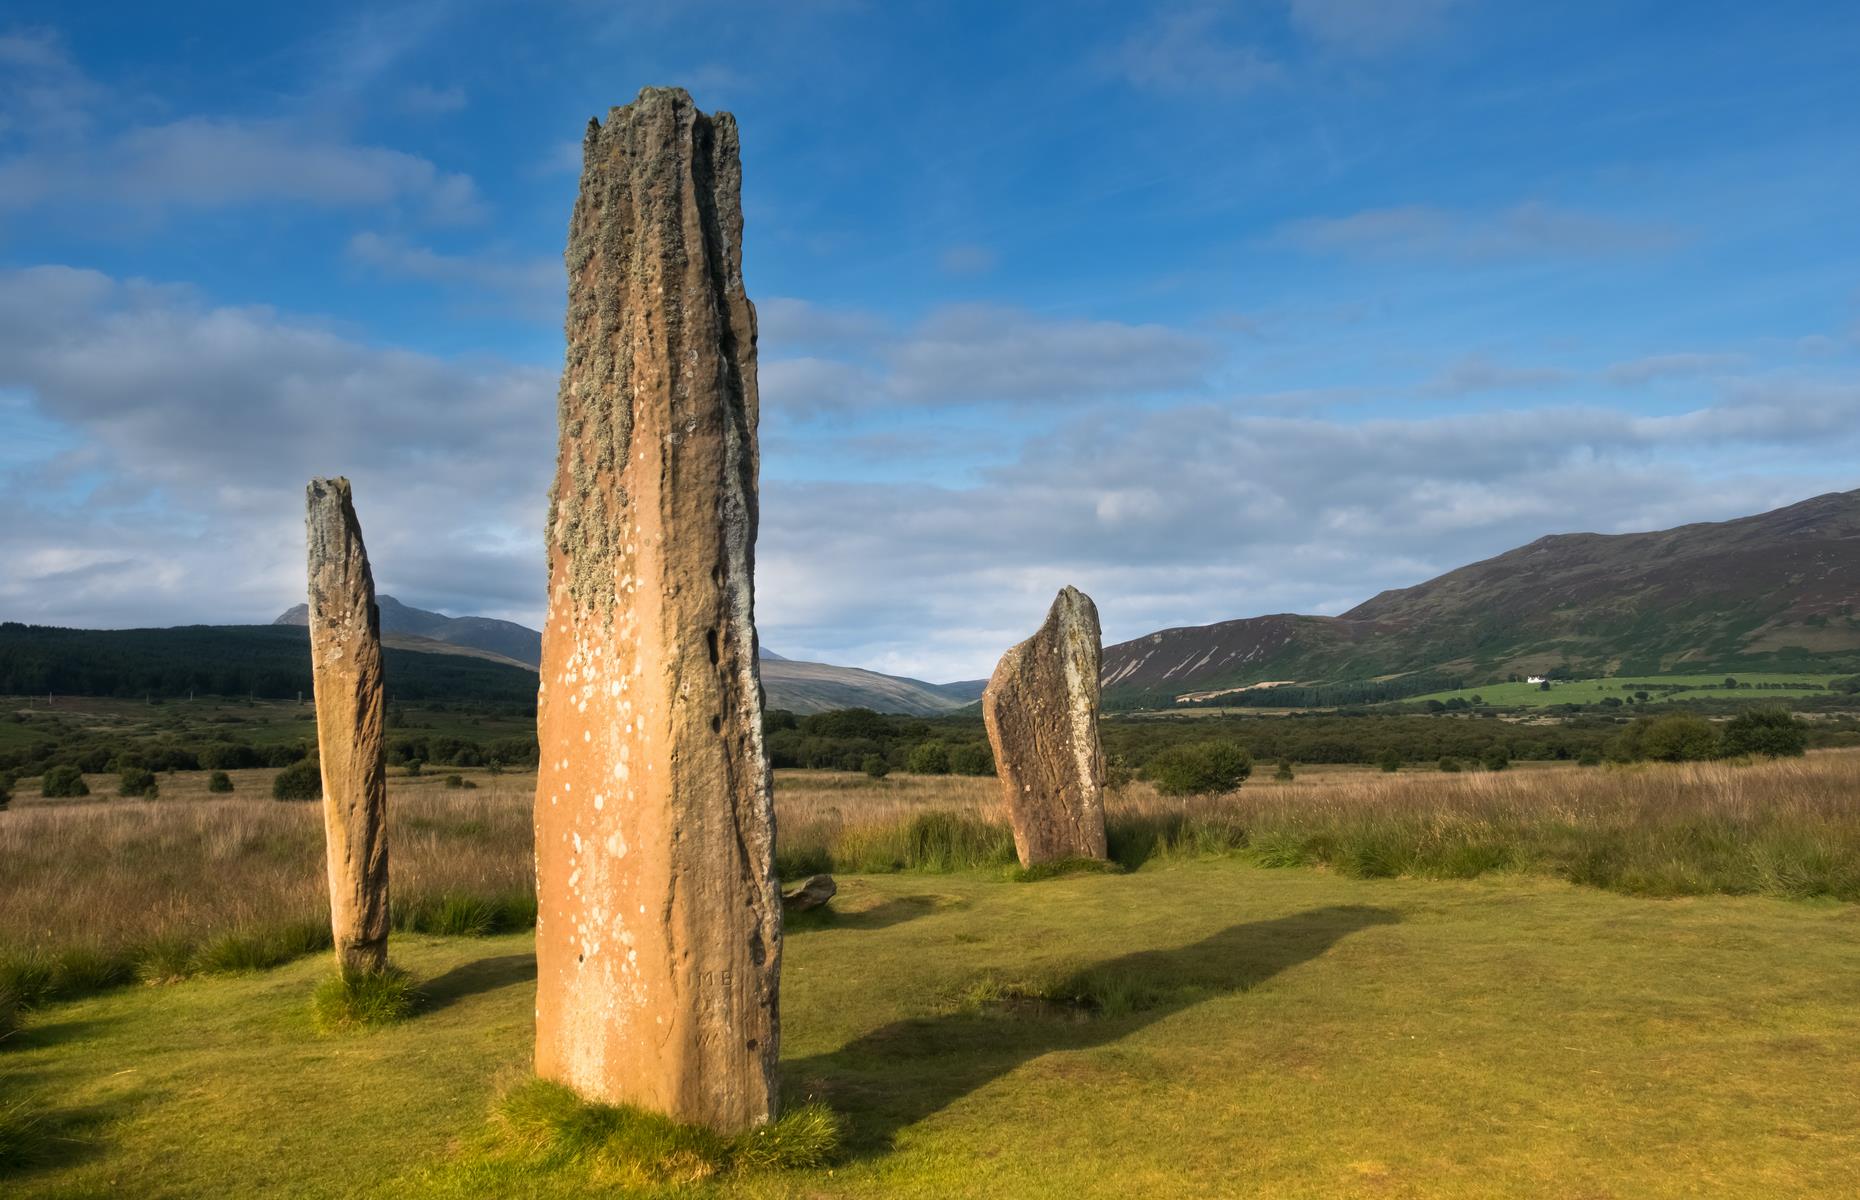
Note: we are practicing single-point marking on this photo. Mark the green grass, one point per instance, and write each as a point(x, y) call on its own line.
point(1241, 1032)
point(542, 1129)
point(1593, 691)
point(351, 1001)
point(43, 976)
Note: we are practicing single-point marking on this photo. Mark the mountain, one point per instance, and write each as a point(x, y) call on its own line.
point(806, 687)
point(400, 623)
point(267, 661)
point(802, 687)
point(1775, 591)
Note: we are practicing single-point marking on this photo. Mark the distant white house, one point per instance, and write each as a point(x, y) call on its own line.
point(1535, 679)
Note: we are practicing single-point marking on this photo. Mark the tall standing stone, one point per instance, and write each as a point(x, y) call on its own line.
point(1041, 710)
point(345, 662)
point(658, 941)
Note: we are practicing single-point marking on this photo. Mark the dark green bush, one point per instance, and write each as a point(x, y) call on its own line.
point(875, 766)
point(1496, 759)
point(1680, 737)
point(1450, 765)
point(1771, 732)
point(928, 758)
point(1202, 768)
point(1389, 760)
point(302, 780)
point(63, 782)
point(971, 758)
point(219, 781)
point(135, 781)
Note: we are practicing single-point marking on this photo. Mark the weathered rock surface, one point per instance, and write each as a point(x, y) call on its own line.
point(1041, 710)
point(345, 659)
point(814, 892)
point(658, 940)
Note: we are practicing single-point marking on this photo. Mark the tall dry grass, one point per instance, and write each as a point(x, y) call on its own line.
point(107, 890)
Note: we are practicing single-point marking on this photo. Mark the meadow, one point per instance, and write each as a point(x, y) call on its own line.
point(1284, 1033)
point(1603, 981)
point(1757, 686)
point(106, 891)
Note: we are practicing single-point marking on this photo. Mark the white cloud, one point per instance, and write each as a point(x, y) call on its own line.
point(532, 287)
point(1477, 373)
point(1672, 366)
point(1200, 513)
point(1524, 230)
point(60, 152)
point(197, 427)
point(1368, 26)
point(1190, 52)
point(967, 260)
point(422, 100)
point(968, 354)
point(167, 483)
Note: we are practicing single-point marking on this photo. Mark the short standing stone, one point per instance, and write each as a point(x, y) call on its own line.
point(1041, 710)
point(345, 660)
point(658, 940)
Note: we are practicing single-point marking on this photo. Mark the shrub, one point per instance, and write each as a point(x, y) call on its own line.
point(1450, 765)
point(413, 767)
point(63, 782)
point(1118, 774)
point(1680, 737)
point(137, 781)
point(928, 758)
point(1389, 760)
point(1771, 732)
point(6, 792)
point(456, 782)
point(875, 766)
point(1589, 758)
point(1496, 759)
point(1284, 774)
point(1202, 768)
point(971, 758)
point(219, 782)
point(229, 756)
point(302, 780)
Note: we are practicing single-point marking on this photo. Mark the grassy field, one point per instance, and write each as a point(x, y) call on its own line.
point(1283, 1033)
point(1771, 687)
point(104, 891)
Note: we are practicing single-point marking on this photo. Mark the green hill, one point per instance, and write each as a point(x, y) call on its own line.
point(266, 661)
point(1775, 592)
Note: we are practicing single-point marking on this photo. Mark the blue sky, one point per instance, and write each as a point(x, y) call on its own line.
point(1211, 310)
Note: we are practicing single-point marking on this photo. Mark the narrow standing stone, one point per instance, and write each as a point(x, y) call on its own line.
point(345, 663)
point(1041, 710)
point(658, 940)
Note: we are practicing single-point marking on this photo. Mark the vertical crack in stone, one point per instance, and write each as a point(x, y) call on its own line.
point(659, 935)
point(1041, 711)
point(345, 659)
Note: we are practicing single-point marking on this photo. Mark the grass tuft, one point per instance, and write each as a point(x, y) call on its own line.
point(1062, 868)
point(351, 1001)
point(259, 949)
point(544, 1126)
point(25, 1136)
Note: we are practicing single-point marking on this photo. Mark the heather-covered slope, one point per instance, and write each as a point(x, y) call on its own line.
point(1777, 590)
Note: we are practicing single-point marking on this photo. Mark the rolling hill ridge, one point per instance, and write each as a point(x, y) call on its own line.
point(1777, 591)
